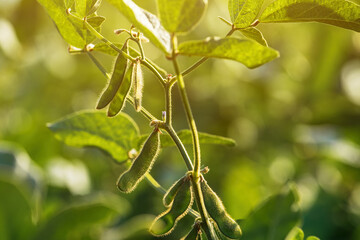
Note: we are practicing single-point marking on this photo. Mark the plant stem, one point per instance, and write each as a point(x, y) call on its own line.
point(196, 144)
point(113, 46)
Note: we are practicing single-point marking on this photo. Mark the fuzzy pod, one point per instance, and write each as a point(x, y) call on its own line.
point(119, 100)
point(165, 223)
point(217, 212)
point(117, 77)
point(171, 193)
point(138, 81)
point(142, 163)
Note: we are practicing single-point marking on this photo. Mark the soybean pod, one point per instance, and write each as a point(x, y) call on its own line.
point(142, 163)
point(166, 222)
point(217, 212)
point(117, 77)
point(171, 193)
point(138, 81)
point(119, 100)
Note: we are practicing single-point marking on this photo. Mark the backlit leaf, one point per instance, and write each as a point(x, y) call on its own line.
point(87, 7)
point(254, 34)
point(248, 52)
point(341, 13)
point(90, 128)
point(146, 22)
point(244, 12)
point(180, 15)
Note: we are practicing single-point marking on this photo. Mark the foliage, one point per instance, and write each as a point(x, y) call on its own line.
point(119, 134)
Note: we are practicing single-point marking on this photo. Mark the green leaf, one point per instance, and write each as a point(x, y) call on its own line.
point(180, 15)
point(254, 34)
point(71, 28)
point(248, 52)
point(186, 138)
point(75, 221)
point(57, 11)
point(273, 219)
point(87, 7)
point(93, 128)
point(15, 211)
point(341, 13)
point(244, 12)
point(146, 22)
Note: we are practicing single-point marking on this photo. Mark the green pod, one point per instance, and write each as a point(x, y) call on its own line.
point(119, 100)
point(117, 78)
point(138, 81)
point(194, 234)
point(166, 221)
point(217, 212)
point(142, 163)
point(171, 193)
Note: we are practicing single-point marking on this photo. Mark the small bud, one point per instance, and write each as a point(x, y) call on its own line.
point(118, 31)
point(89, 47)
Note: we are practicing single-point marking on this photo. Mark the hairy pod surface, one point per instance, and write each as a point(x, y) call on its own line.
point(217, 212)
point(116, 80)
point(171, 193)
point(142, 163)
point(138, 80)
point(119, 100)
point(166, 221)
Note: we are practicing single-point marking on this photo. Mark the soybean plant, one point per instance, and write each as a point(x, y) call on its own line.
point(80, 25)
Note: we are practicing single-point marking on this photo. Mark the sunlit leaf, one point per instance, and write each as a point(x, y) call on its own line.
point(248, 52)
point(254, 34)
point(146, 22)
point(341, 13)
point(71, 28)
point(57, 11)
point(180, 15)
point(76, 221)
point(86, 7)
point(244, 12)
point(89, 128)
point(273, 219)
point(186, 138)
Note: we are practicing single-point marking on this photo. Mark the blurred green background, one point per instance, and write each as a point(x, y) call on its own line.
point(294, 119)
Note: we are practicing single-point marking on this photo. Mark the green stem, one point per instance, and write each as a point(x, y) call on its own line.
point(180, 146)
point(196, 144)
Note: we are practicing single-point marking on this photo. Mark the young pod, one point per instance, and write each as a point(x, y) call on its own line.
point(171, 193)
point(119, 100)
point(142, 163)
point(166, 222)
point(138, 81)
point(116, 80)
point(217, 212)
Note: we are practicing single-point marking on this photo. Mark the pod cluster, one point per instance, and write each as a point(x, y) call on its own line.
point(223, 223)
point(123, 77)
point(179, 200)
point(141, 164)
